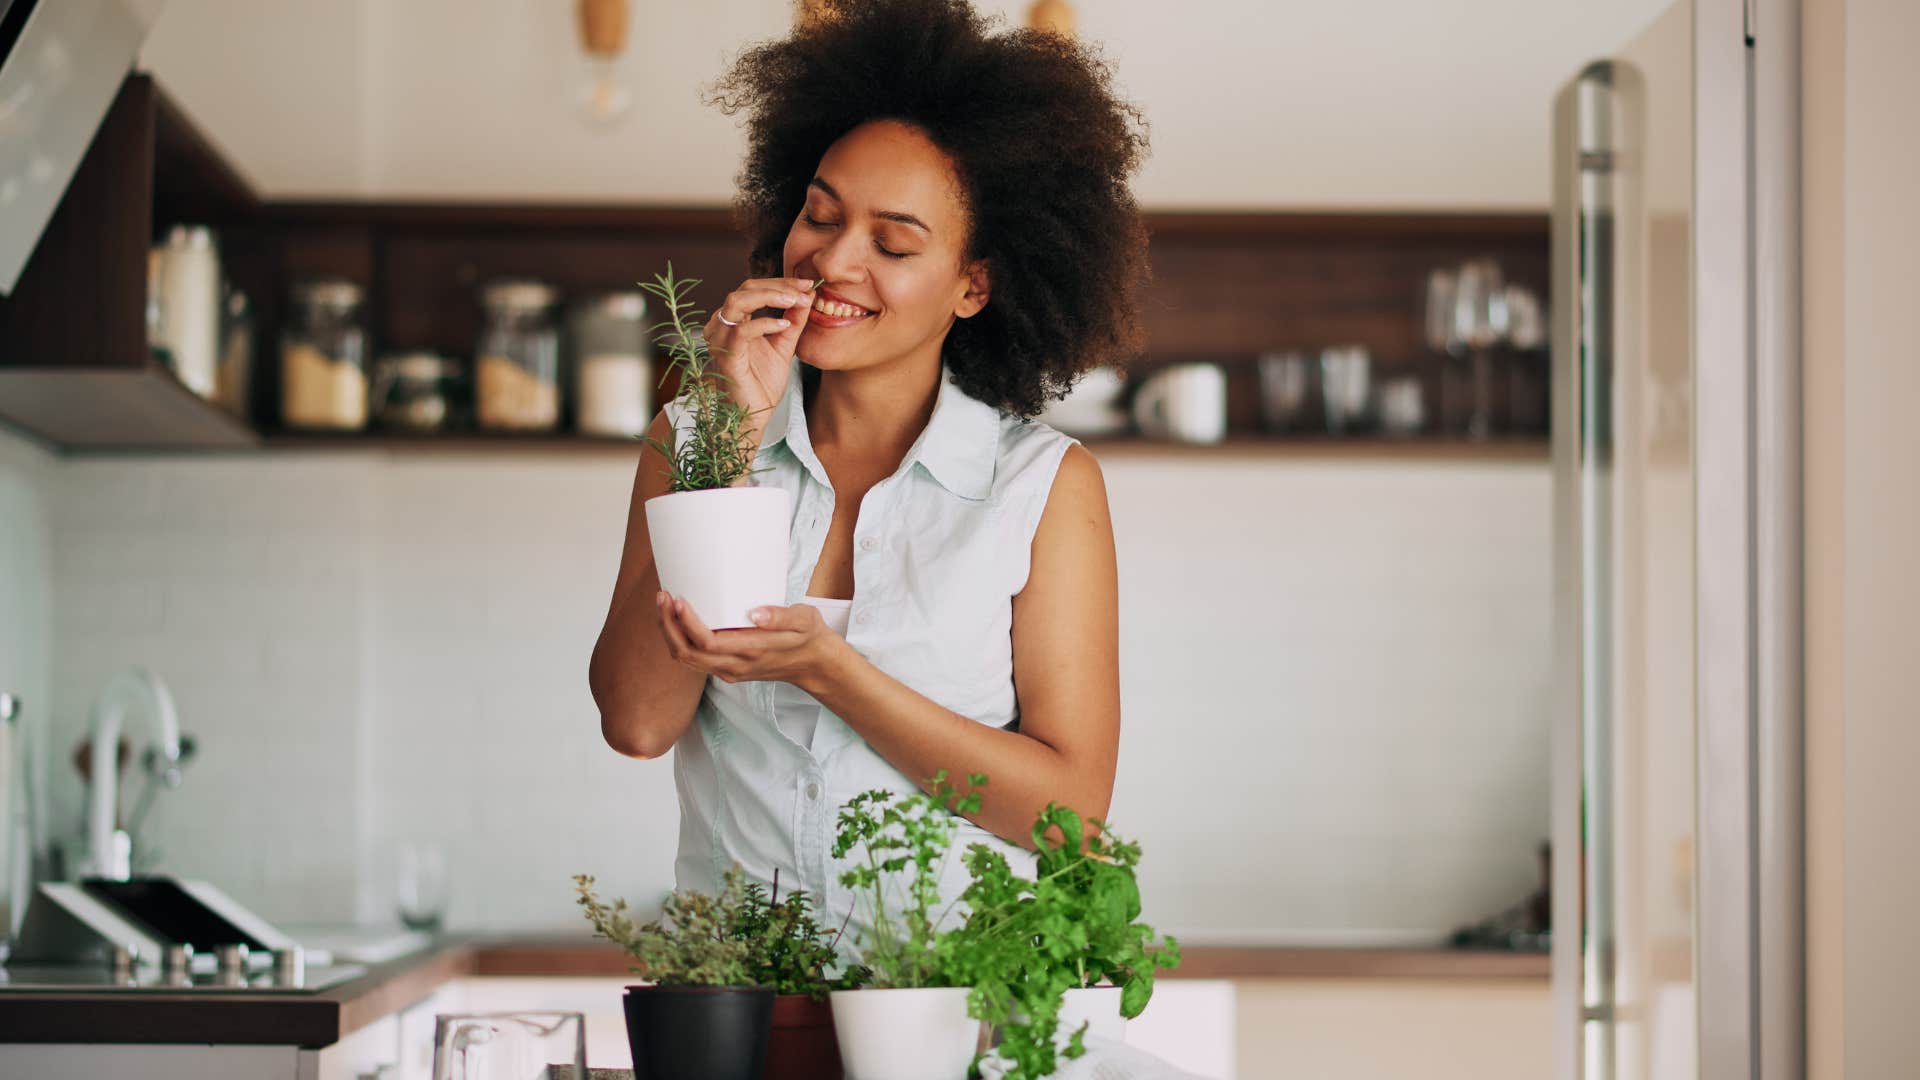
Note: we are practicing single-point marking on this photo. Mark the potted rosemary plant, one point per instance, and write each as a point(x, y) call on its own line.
point(718, 545)
point(739, 984)
point(913, 1023)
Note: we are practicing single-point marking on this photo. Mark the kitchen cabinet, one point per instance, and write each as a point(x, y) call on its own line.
point(75, 370)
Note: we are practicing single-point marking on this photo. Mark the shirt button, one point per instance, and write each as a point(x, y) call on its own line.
point(868, 544)
point(864, 618)
point(813, 791)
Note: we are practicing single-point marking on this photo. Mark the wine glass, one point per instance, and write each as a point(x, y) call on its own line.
point(1480, 322)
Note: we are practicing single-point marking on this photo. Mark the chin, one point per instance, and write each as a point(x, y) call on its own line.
point(824, 357)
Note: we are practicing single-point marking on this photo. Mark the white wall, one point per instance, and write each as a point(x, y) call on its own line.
point(368, 652)
point(1334, 677)
point(1365, 103)
point(1863, 581)
point(1823, 413)
point(25, 610)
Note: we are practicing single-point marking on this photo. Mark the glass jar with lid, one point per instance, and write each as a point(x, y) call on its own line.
point(323, 358)
point(416, 391)
point(517, 373)
point(612, 372)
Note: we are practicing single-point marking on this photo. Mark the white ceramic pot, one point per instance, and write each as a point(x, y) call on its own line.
point(1098, 1007)
point(722, 551)
point(905, 1034)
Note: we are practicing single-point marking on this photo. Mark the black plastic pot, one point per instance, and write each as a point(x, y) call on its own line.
point(711, 1032)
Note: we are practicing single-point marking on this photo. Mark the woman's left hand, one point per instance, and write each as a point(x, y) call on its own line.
point(789, 644)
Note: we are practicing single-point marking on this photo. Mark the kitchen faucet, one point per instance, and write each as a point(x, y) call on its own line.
point(109, 848)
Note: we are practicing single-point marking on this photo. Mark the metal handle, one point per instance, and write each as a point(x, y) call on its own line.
point(1583, 361)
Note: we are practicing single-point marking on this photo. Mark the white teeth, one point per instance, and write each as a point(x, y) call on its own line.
point(832, 307)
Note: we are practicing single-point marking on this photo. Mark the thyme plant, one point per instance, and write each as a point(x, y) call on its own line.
point(746, 936)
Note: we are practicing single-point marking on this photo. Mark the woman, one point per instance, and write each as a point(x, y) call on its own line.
point(944, 240)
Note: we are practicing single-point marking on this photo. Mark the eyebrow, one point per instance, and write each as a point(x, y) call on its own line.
point(888, 215)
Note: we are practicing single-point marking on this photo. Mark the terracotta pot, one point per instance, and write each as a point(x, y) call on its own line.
point(802, 1044)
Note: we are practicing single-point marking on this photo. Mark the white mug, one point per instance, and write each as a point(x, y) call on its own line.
point(1187, 402)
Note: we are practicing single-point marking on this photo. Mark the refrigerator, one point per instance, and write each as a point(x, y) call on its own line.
point(1676, 712)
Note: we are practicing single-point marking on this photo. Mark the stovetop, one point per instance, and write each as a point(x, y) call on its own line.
point(94, 979)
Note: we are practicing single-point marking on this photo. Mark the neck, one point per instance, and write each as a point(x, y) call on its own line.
point(874, 413)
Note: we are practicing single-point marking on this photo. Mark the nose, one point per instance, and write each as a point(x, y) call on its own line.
point(838, 260)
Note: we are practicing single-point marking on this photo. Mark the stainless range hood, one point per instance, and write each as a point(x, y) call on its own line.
point(61, 63)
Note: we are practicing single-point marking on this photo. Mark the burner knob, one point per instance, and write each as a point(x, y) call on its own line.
point(124, 958)
point(232, 964)
point(290, 966)
point(176, 965)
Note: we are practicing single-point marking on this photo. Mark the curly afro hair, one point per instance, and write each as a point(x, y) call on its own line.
point(1042, 147)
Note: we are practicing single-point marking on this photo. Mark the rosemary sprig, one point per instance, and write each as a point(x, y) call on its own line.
point(719, 449)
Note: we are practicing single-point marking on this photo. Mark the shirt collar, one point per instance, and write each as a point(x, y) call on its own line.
point(958, 448)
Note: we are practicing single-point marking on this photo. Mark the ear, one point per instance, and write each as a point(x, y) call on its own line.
point(979, 290)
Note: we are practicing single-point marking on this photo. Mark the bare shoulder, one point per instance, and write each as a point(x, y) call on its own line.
point(1079, 487)
point(1075, 521)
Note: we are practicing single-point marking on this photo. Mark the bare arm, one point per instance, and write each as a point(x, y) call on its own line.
point(1066, 666)
point(646, 697)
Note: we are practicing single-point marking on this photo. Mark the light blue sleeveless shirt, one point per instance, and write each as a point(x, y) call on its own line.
point(940, 549)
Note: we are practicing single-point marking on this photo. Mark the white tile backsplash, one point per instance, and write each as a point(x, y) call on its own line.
point(1333, 680)
point(26, 616)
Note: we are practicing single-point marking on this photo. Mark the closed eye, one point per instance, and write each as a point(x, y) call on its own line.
point(815, 223)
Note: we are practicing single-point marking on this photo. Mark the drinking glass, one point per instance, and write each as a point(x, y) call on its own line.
point(420, 886)
point(1345, 387)
point(1285, 383)
point(1440, 314)
point(1403, 407)
point(510, 1046)
point(1480, 320)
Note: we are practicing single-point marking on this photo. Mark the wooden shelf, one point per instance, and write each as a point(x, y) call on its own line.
point(1303, 448)
point(534, 956)
point(75, 369)
point(449, 442)
point(1228, 286)
point(1309, 448)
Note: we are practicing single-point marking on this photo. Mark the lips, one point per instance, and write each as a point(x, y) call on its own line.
point(833, 311)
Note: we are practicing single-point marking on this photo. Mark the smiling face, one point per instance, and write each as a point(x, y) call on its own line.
point(885, 226)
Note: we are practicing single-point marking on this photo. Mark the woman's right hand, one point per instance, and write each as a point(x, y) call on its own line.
point(757, 355)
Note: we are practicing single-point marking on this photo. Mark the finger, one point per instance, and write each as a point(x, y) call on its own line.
point(697, 633)
point(678, 646)
point(786, 339)
point(799, 284)
point(755, 328)
point(687, 654)
point(798, 618)
point(753, 644)
point(743, 302)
